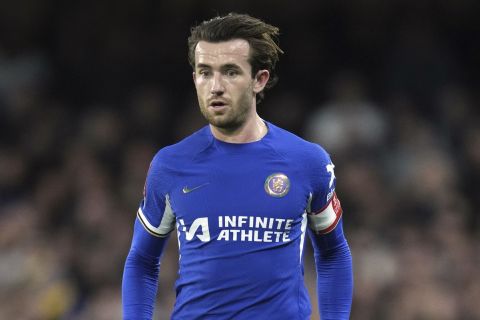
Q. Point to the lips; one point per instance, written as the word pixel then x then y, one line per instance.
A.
pixel 217 103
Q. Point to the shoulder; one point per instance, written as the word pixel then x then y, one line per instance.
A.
pixel 182 151
pixel 290 145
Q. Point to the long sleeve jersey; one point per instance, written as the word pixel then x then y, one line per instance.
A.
pixel 241 214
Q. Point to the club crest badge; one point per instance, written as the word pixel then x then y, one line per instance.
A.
pixel 277 185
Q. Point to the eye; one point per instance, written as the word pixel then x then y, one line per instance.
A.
pixel 204 73
pixel 232 73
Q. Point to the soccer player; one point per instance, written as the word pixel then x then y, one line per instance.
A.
pixel 241 194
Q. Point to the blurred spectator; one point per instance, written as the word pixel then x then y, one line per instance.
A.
pixel 349 121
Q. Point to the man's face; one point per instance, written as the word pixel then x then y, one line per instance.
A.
pixel 224 84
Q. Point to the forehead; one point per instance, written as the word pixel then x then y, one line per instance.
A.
pixel 231 51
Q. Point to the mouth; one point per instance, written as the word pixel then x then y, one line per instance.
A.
pixel 217 104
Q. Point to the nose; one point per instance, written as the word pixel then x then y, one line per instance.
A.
pixel 217 85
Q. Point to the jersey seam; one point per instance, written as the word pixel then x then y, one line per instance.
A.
pixel 268 144
pixel 209 144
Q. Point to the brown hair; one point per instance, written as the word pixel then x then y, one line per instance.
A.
pixel 262 37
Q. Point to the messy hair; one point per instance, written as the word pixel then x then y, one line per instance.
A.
pixel 262 38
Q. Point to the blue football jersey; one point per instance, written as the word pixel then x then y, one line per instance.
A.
pixel 241 212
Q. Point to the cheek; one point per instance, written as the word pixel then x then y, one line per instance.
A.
pixel 241 88
pixel 201 85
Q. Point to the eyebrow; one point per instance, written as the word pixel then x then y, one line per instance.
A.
pixel 203 65
pixel 230 66
pixel 223 67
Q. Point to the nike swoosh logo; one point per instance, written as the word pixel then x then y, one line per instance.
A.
pixel 188 190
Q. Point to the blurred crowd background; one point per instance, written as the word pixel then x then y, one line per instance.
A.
pixel 90 90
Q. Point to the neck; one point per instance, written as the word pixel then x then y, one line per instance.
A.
pixel 250 131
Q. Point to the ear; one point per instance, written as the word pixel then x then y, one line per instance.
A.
pixel 193 77
pixel 260 81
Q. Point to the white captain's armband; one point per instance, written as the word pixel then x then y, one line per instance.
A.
pixel 326 219
pixel 167 224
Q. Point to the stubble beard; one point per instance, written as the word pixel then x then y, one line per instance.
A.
pixel 233 118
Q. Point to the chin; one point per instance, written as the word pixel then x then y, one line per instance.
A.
pixel 227 125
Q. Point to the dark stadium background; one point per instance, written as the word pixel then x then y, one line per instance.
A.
pixel 89 90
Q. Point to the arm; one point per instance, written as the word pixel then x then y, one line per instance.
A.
pixel 334 273
pixel 155 220
pixel 140 275
pixel 331 252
